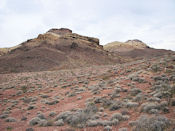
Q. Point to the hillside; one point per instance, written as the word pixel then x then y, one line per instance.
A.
pixel 53 50
pixel 137 96
pixel 134 49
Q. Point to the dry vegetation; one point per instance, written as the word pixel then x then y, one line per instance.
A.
pixel 137 96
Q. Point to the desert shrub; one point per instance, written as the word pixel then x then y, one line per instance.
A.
pixel 153 111
pixel 23 118
pixel 96 116
pixel 163 104
pixel 43 122
pixel 149 107
pixel 19 92
pixel 172 78
pixel 92 123
pixel 131 104
pixel 52 114
pixel 71 94
pixel 3 116
pixel 115 122
pixel 140 80
pixel 139 97
pixel 115 106
pixel 108 128
pixel 155 68
pixel 117 90
pixel 101 109
pixel 80 117
pixel 29 129
pixel 10 119
pixel 173 102
pixel 105 102
pixel 34 121
pixel 117 116
pixel 125 117
pixel 91 108
pixel 44 96
pixel 24 89
pixel 154 99
pixel 105 123
pixel 123 129
pixel 155 123
pixel 41 116
pixel 59 123
pixel 135 91
pixel 79 97
pixel 124 112
pixel 30 107
pixel 52 102
pixel 161 78
pixel 115 95
pixel 163 94
pixel 63 115
pixel 28 99
pixel 132 123
pixel 172 90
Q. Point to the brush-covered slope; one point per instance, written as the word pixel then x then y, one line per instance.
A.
pixel 55 49
pixel 137 96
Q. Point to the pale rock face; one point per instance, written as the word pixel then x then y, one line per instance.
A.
pixel 125 46
pixel 136 43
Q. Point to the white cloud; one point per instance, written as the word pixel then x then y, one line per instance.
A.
pixel 3 4
pixel 151 21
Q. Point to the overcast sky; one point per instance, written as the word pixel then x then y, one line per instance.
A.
pixel 152 21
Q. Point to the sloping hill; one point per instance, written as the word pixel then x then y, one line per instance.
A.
pixel 55 49
pixel 134 49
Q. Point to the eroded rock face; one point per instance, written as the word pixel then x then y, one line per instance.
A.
pixel 67 33
pixel 90 41
pixel 63 37
pixel 63 34
pixel 137 44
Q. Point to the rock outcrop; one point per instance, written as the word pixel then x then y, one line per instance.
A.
pixel 138 44
pixel 59 36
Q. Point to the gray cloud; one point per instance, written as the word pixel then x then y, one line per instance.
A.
pixel 150 21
